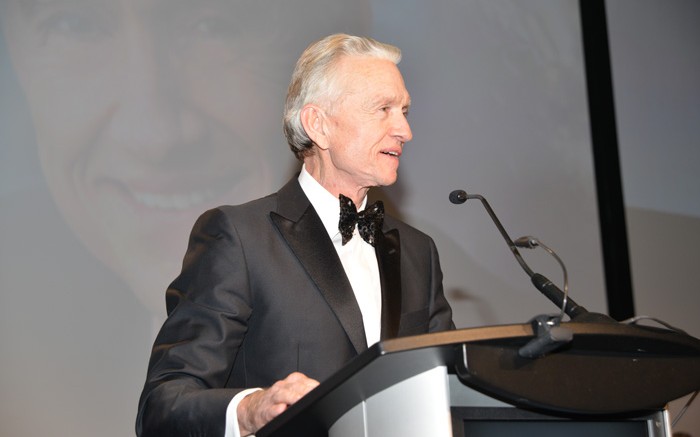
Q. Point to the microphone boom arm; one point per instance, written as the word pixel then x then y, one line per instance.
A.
pixel 503 232
pixel 544 285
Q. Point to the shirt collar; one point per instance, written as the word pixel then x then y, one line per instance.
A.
pixel 327 206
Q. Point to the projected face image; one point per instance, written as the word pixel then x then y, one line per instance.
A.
pixel 146 113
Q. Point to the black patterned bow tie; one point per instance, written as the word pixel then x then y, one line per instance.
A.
pixel 369 222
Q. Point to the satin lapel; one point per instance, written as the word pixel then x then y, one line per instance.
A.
pixel 389 257
pixel 301 227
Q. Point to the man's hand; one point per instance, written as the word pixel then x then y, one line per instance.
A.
pixel 260 407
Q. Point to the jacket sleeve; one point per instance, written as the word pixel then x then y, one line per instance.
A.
pixel 440 310
pixel 208 305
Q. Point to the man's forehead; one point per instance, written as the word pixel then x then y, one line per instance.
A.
pixel 379 78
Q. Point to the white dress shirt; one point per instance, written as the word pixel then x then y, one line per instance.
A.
pixel 359 261
pixel 357 256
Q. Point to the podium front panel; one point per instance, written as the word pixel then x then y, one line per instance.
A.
pixel 419 405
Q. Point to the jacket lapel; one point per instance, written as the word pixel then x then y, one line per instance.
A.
pixel 301 227
pixel 389 257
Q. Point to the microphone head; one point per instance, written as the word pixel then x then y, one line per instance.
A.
pixel 526 242
pixel 458 196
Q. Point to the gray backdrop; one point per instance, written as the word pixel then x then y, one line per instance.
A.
pixel 656 74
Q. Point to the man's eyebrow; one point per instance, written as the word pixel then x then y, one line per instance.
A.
pixel 384 100
pixel 29 7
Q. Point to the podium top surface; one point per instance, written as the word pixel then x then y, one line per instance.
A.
pixel 607 368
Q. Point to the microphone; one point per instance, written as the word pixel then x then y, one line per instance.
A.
pixel 527 242
pixel 549 335
pixel 544 285
pixel 530 242
pixel 458 196
pixel 461 196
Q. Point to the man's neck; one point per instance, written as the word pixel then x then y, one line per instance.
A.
pixel 333 184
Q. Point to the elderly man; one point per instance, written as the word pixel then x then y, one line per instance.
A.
pixel 283 291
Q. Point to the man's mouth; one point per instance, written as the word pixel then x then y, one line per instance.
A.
pixel 175 202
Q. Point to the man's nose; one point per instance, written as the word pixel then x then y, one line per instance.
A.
pixel 401 129
pixel 149 114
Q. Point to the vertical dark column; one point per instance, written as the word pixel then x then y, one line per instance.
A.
pixel 601 106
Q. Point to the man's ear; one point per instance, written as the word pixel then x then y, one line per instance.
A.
pixel 313 119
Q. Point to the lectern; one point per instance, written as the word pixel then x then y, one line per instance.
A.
pixel 610 379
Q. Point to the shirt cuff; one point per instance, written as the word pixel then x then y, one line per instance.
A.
pixel 231 429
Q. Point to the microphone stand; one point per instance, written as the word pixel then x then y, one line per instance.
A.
pixel 549 334
pixel 636 354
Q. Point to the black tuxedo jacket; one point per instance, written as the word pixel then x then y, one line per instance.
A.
pixel 262 293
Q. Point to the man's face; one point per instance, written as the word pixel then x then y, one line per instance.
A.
pixel 368 125
pixel 148 112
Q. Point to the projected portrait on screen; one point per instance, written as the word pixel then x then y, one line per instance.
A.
pixel 148 113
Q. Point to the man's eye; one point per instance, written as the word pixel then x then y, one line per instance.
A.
pixel 74 25
pixel 215 27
